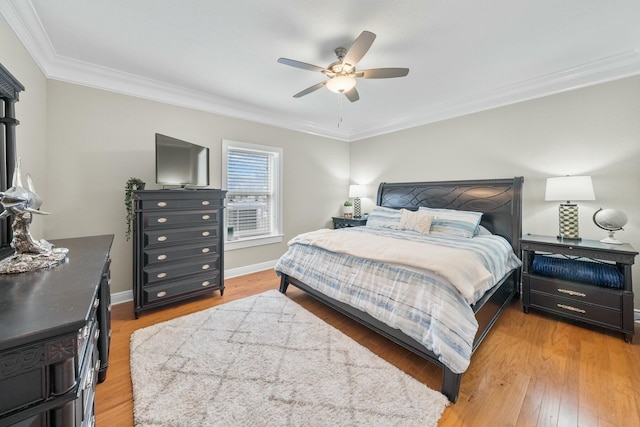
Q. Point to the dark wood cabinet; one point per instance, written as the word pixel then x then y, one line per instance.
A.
pixel 341 222
pixel 571 297
pixel 177 245
pixel 54 337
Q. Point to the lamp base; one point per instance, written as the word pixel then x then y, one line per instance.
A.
pixel 568 221
pixel 357 212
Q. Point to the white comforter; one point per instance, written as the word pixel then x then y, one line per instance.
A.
pixel 460 267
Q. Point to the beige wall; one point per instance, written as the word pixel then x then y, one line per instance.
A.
pixel 593 131
pixel 31 111
pixel 98 139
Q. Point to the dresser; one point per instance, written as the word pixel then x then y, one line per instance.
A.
pixel 54 338
pixel 581 289
pixel 177 245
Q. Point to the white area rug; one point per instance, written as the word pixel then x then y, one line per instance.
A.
pixel 266 361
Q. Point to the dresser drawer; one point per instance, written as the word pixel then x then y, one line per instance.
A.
pixel 173 253
pixel 172 203
pixel 160 219
pixel 577 309
pixel 575 291
pixel 179 287
pixel 166 237
pixel 171 271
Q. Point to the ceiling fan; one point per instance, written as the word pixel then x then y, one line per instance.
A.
pixel 342 73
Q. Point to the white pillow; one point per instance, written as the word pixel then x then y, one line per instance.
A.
pixel 453 223
pixel 415 221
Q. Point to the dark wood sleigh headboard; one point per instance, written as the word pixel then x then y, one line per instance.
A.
pixel 500 201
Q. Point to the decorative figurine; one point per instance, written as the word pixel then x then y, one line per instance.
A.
pixel 30 254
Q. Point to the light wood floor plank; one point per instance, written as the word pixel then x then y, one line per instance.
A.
pixel 531 370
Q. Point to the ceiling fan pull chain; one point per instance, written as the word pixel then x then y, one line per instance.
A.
pixel 339 109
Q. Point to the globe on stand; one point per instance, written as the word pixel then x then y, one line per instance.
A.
pixel 611 220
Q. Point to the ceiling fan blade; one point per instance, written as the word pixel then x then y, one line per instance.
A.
pixel 352 94
pixel 310 89
pixel 382 73
pixel 302 65
pixel 359 47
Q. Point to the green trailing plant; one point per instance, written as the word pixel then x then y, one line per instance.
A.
pixel 131 185
pixel 348 203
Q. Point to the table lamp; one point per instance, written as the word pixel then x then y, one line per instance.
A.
pixel 357 191
pixel 568 189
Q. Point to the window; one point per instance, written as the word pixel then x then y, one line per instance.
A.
pixel 252 176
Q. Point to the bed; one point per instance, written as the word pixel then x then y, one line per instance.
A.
pixel 499 203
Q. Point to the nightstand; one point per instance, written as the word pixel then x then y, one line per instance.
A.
pixel 340 222
pixel 568 293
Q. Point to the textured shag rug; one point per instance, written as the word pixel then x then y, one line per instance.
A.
pixel 266 361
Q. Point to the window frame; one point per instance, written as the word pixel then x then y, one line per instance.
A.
pixel 277 233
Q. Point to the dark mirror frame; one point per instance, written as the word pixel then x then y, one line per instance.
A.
pixel 10 89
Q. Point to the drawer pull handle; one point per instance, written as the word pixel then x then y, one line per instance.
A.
pixel 572 293
pixel 205 267
pixel 162 204
pixel 206 283
pixel 161 294
pixel 161 275
pixel 162 220
pixel 205 203
pixel 162 238
pixel 568 307
pixel 205 233
pixel 205 250
pixel 206 217
pixel 162 257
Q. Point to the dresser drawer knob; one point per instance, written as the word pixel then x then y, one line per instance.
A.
pixel 96 303
pixel 162 238
pixel 568 307
pixel 205 233
pixel 206 283
pixel 161 275
pixel 572 293
pixel 205 267
pixel 205 203
pixel 162 257
pixel 205 250
pixel 162 204
pixel 162 220
pixel 205 217
pixel 161 294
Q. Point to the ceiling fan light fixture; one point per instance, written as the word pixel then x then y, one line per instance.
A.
pixel 341 83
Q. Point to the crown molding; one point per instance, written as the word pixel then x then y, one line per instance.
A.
pixel 23 20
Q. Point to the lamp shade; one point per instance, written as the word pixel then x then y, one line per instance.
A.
pixel 569 188
pixel 357 191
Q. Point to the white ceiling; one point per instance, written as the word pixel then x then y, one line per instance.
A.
pixel 220 56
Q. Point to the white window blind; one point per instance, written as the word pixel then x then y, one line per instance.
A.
pixel 253 187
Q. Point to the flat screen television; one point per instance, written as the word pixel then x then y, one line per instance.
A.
pixel 181 163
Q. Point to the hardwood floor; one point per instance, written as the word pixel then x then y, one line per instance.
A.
pixel 531 370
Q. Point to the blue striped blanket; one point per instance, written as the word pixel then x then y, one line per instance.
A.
pixel 421 303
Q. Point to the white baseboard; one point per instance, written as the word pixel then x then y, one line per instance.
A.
pixel 126 296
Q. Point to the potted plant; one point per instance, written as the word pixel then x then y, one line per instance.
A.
pixel 132 184
pixel 347 209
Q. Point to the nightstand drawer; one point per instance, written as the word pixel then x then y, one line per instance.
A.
pixel 574 291
pixel 577 309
